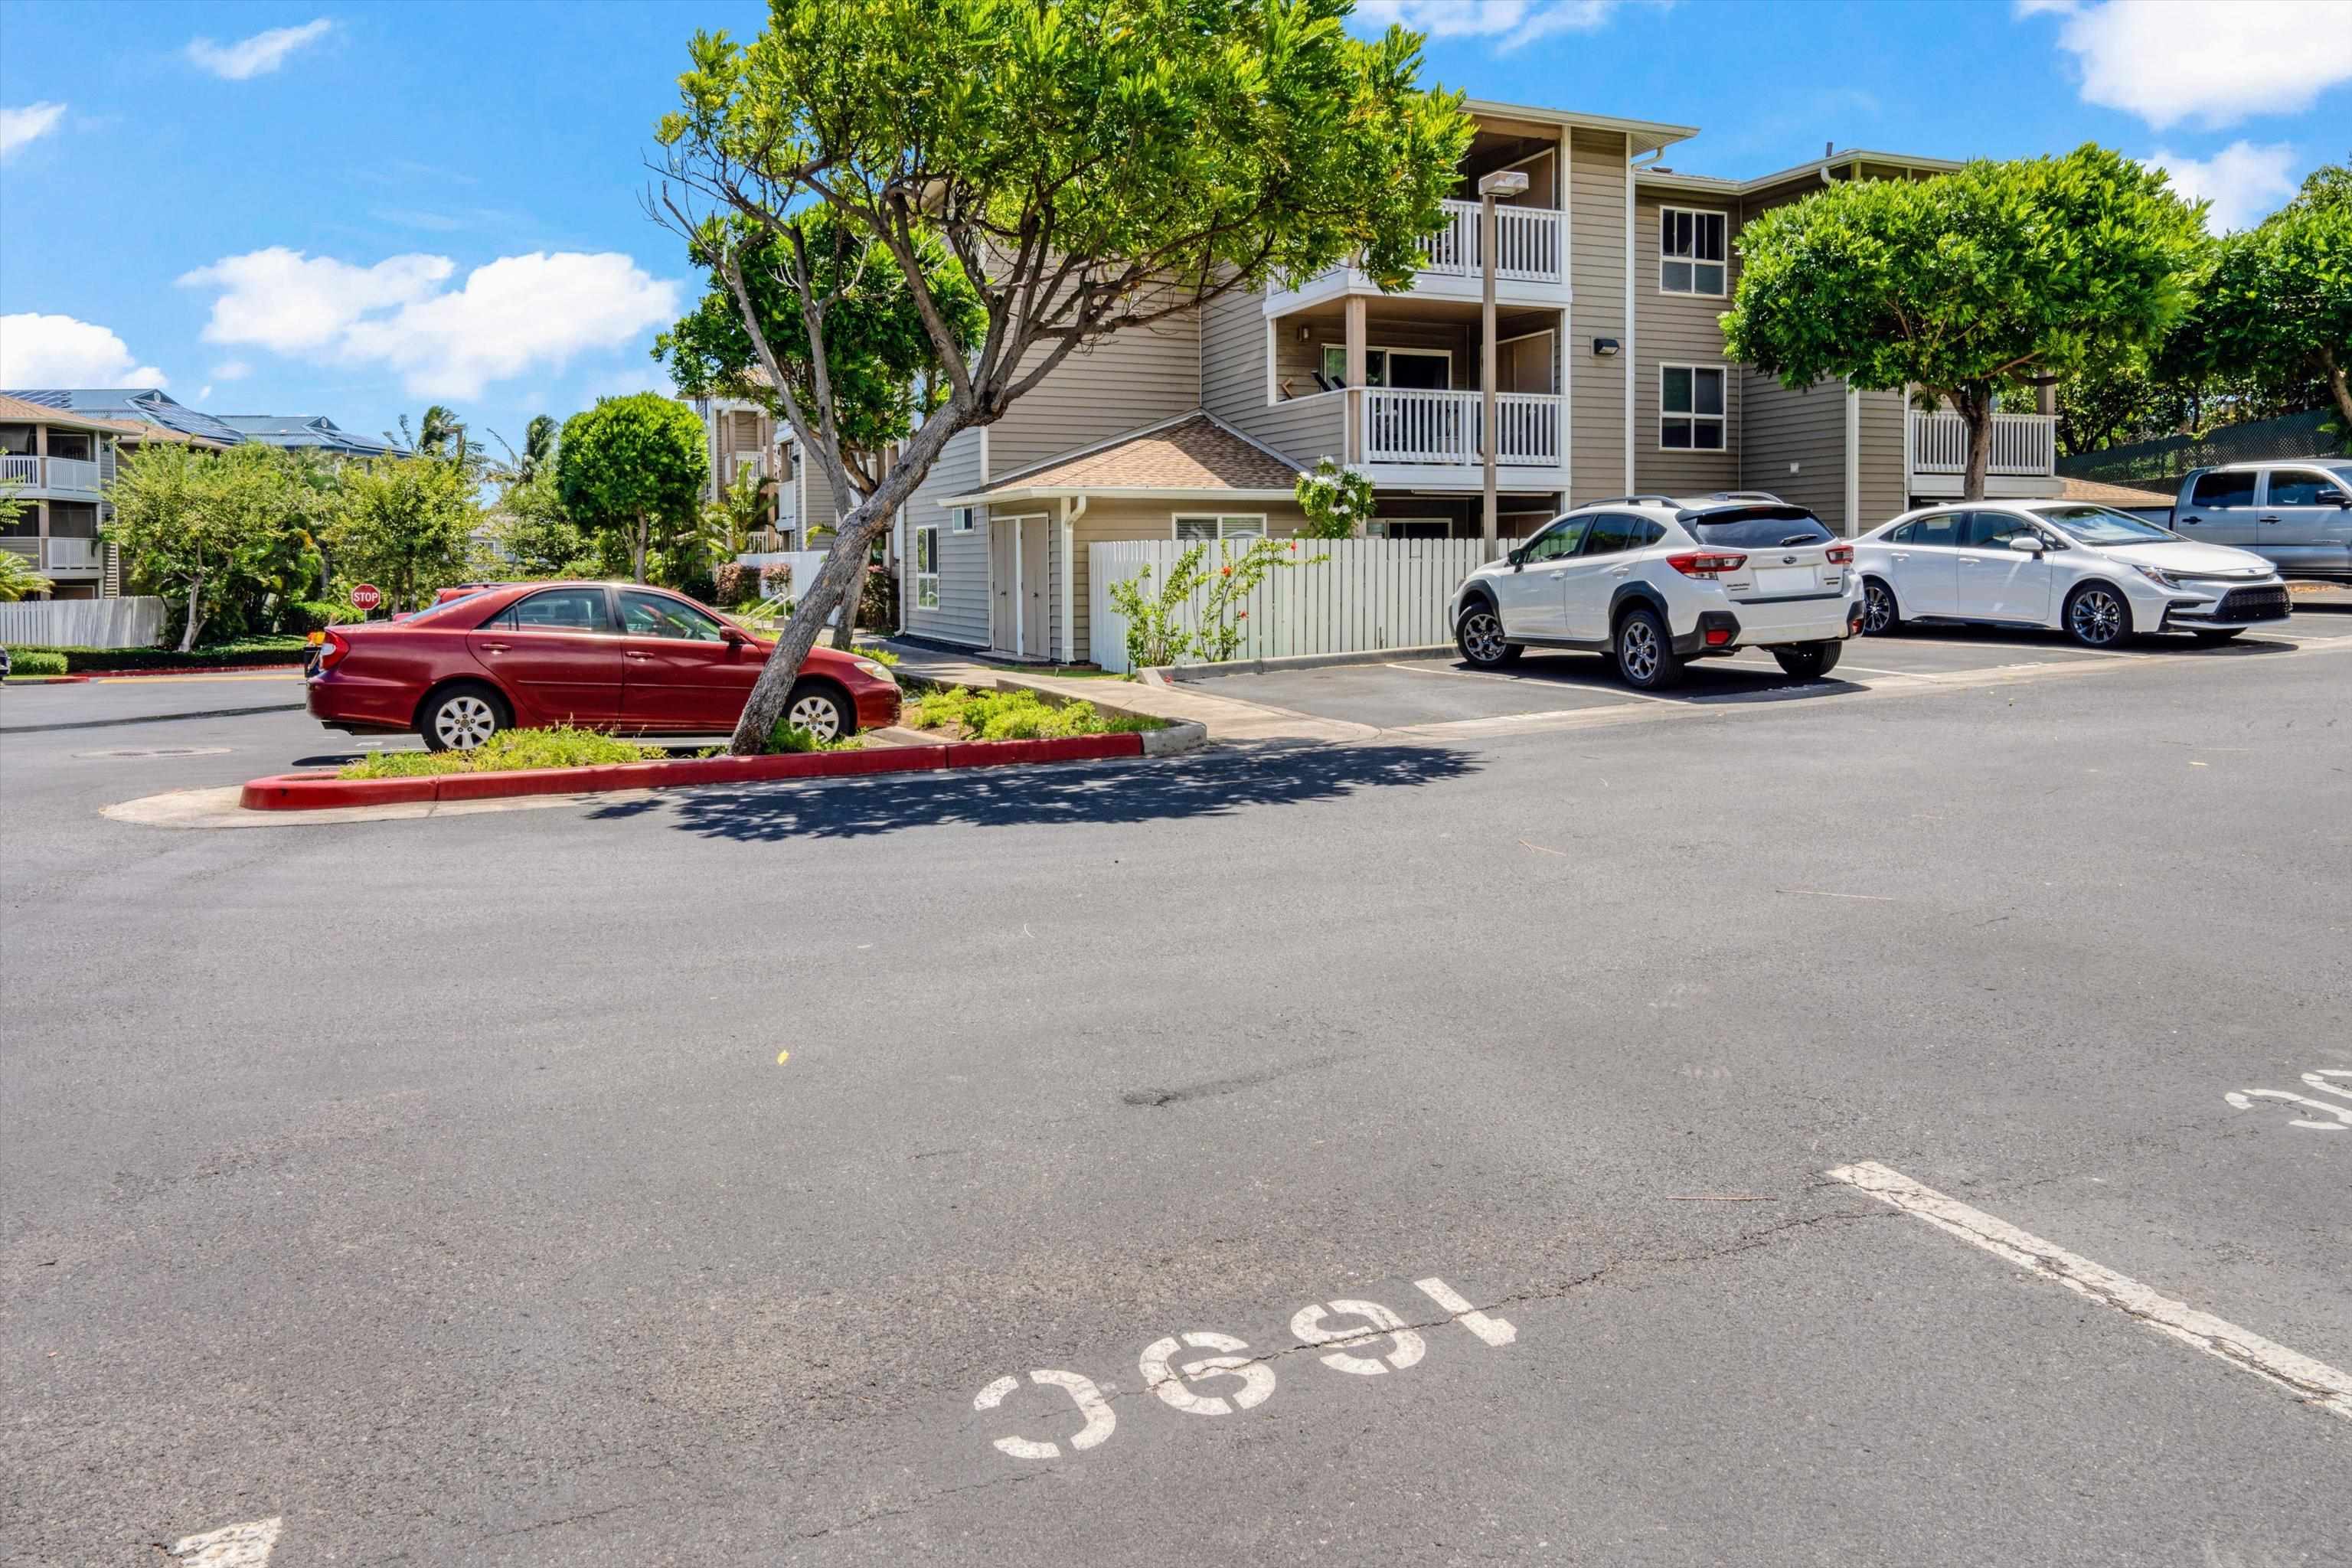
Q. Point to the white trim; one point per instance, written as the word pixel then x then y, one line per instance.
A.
pixel 1853 459
pixel 1220 518
pixel 1694 260
pixel 1273 347
pixel 1117 492
pixel 1722 420
pixel 1632 355
pixel 919 573
pixel 1655 135
pixel 983 456
pixel 1069 573
pixel 1567 146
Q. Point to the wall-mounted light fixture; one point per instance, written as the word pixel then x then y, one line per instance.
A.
pixel 1305 332
pixel 1605 348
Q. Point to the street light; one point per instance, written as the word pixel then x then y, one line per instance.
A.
pixel 1501 182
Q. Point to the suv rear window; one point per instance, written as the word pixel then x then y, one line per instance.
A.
pixel 1757 527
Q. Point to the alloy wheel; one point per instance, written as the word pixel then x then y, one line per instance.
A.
pixel 2096 618
pixel 464 723
pixel 817 715
pixel 1637 652
pixel 1877 609
pixel 1482 636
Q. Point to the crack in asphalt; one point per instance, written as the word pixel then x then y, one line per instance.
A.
pixel 923 1502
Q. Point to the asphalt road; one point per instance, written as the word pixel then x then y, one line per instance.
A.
pixel 435 1187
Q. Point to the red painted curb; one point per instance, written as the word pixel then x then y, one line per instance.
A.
pixel 1059 749
pixel 47 679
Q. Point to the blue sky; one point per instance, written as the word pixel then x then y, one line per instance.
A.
pixel 358 209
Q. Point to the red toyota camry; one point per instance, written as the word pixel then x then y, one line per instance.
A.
pixel 605 655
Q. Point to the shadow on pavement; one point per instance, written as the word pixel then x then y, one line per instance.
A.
pixel 1213 784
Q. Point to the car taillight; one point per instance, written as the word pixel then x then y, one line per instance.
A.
pixel 1718 635
pixel 332 652
pixel 1700 563
pixel 1841 554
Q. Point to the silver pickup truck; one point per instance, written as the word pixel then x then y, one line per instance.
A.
pixel 2297 514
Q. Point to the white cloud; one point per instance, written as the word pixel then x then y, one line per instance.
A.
pixel 38 351
pixel 517 314
pixel 30 123
pixel 1514 22
pixel 2215 62
pixel 2245 183
pixel 647 376
pixel 231 370
pixel 257 56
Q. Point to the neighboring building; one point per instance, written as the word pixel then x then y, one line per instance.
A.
pixel 60 461
pixel 138 405
pixel 1611 372
pixel 314 432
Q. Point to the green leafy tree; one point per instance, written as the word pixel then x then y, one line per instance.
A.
pixel 741 510
pixel 18 578
pixel 2278 306
pixel 633 467
pixel 1094 166
pixel 406 524
pixel 1338 500
pixel 1969 284
pixel 223 537
pixel 530 535
pixel 880 372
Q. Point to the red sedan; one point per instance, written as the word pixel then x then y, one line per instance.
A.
pixel 606 656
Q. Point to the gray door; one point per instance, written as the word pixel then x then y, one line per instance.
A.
pixel 1004 581
pixel 1036 587
pixel 2305 524
pixel 2221 509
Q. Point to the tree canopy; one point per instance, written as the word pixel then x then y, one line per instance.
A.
pixel 405 524
pixel 221 536
pixel 1968 283
pixel 2278 305
pixel 633 467
pixel 1092 165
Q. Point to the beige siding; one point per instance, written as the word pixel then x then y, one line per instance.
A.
pixel 1596 201
pixel 1232 386
pixel 1806 429
pixel 1884 490
pixel 962 613
pixel 1132 379
pixel 1678 328
pixel 1108 520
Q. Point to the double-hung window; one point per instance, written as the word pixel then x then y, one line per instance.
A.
pixel 926 567
pixel 1690 408
pixel 962 517
pixel 1193 529
pixel 1691 252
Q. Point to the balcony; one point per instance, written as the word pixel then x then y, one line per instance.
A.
pixel 1531 262
pixel 76 475
pixel 2025 455
pixel 74 557
pixel 1435 436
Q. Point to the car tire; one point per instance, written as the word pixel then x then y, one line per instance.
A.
pixel 1881 616
pixel 820 708
pixel 1646 659
pixel 1478 635
pixel 1808 661
pixel 2216 638
pixel 2097 616
pixel 460 717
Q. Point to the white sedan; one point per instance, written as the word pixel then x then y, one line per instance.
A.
pixel 2097 574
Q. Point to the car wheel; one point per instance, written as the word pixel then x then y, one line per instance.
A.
pixel 820 710
pixel 1808 661
pixel 1879 614
pixel 2216 638
pixel 460 717
pixel 1479 635
pixel 2096 616
pixel 1646 661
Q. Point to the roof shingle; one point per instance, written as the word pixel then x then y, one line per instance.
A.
pixel 1197 452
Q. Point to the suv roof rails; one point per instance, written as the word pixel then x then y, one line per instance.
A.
pixel 1747 495
pixel 1629 500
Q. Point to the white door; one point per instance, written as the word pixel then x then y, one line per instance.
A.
pixel 1994 582
pixel 1604 565
pixel 1004 584
pixel 1923 559
pixel 1528 596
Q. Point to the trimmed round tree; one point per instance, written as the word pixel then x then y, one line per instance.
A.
pixel 631 465
pixel 1963 285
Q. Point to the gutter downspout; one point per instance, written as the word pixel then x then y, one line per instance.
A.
pixel 1073 507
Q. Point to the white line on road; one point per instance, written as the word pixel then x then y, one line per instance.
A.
pixel 2312 1381
pixel 1865 898
pixel 247 1545
pixel 1525 680
pixel 1494 1330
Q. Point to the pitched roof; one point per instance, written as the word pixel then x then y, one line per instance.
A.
pixel 1194 453
pixel 14 408
pixel 306 430
pixel 146 404
pixel 2102 493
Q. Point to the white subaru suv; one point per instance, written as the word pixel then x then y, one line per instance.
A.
pixel 1655 581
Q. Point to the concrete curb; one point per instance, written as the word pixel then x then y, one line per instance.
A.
pixel 1169 674
pixel 322 791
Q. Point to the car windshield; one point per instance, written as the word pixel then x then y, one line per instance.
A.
pixel 1757 528
pixel 2103 525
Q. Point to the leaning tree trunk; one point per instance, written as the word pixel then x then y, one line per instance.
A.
pixel 845 562
pixel 2340 386
pixel 638 544
pixel 845 632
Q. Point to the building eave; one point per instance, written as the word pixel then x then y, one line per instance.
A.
pixel 1114 492
pixel 1648 135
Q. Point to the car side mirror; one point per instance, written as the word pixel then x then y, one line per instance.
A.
pixel 2028 543
pixel 733 637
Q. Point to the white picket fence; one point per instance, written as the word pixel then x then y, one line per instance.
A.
pixel 135 621
pixel 1369 594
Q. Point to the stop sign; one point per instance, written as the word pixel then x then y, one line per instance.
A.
pixel 366 596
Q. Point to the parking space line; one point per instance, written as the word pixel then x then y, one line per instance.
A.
pixel 1489 675
pixel 2311 1382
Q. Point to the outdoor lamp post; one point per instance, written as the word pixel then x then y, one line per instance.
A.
pixel 1501 182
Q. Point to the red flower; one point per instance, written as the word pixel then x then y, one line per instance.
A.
pixel 1294 546
pixel 1241 615
pixel 1224 571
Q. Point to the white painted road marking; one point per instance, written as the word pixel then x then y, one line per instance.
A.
pixel 1494 1330
pixel 2312 1381
pixel 1256 1376
pixel 2244 1099
pixel 1307 1324
pixel 247 1545
pixel 1100 1421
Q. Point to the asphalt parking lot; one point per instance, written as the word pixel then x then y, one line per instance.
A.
pixel 1425 695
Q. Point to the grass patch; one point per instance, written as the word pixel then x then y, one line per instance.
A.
pixel 508 751
pixel 1012 714
pixel 790 739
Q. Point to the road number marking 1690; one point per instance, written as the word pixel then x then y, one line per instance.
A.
pixel 2321 1081
pixel 1243 1380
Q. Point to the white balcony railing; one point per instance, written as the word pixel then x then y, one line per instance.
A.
pixel 70 555
pixel 2022 444
pixel 64 473
pixel 20 470
pixel 1531 245
pixel 1443 427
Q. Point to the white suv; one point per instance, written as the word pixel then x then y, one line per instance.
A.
pixel 1655 581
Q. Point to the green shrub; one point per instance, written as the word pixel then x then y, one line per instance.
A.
pixel 36 661
pixel 564 746
pixel 788 737
pixel 252 650
pixel 736 584
pixel 1015 714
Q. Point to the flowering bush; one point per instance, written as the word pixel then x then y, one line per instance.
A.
pixel 1336 500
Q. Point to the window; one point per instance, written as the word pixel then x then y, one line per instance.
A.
pixel 2301 487
pixel 2105 525
pixel 1557 542
pixel 1430 368
pixel 1994 529
pixel 1690 408
pixel 962 517
pixel 1690 251
pixel 1757 528
pixel 659 615
pixel 1193 529
pixel 1616 532
pixel 2224 489
pixel 926 568
pixel 558 610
